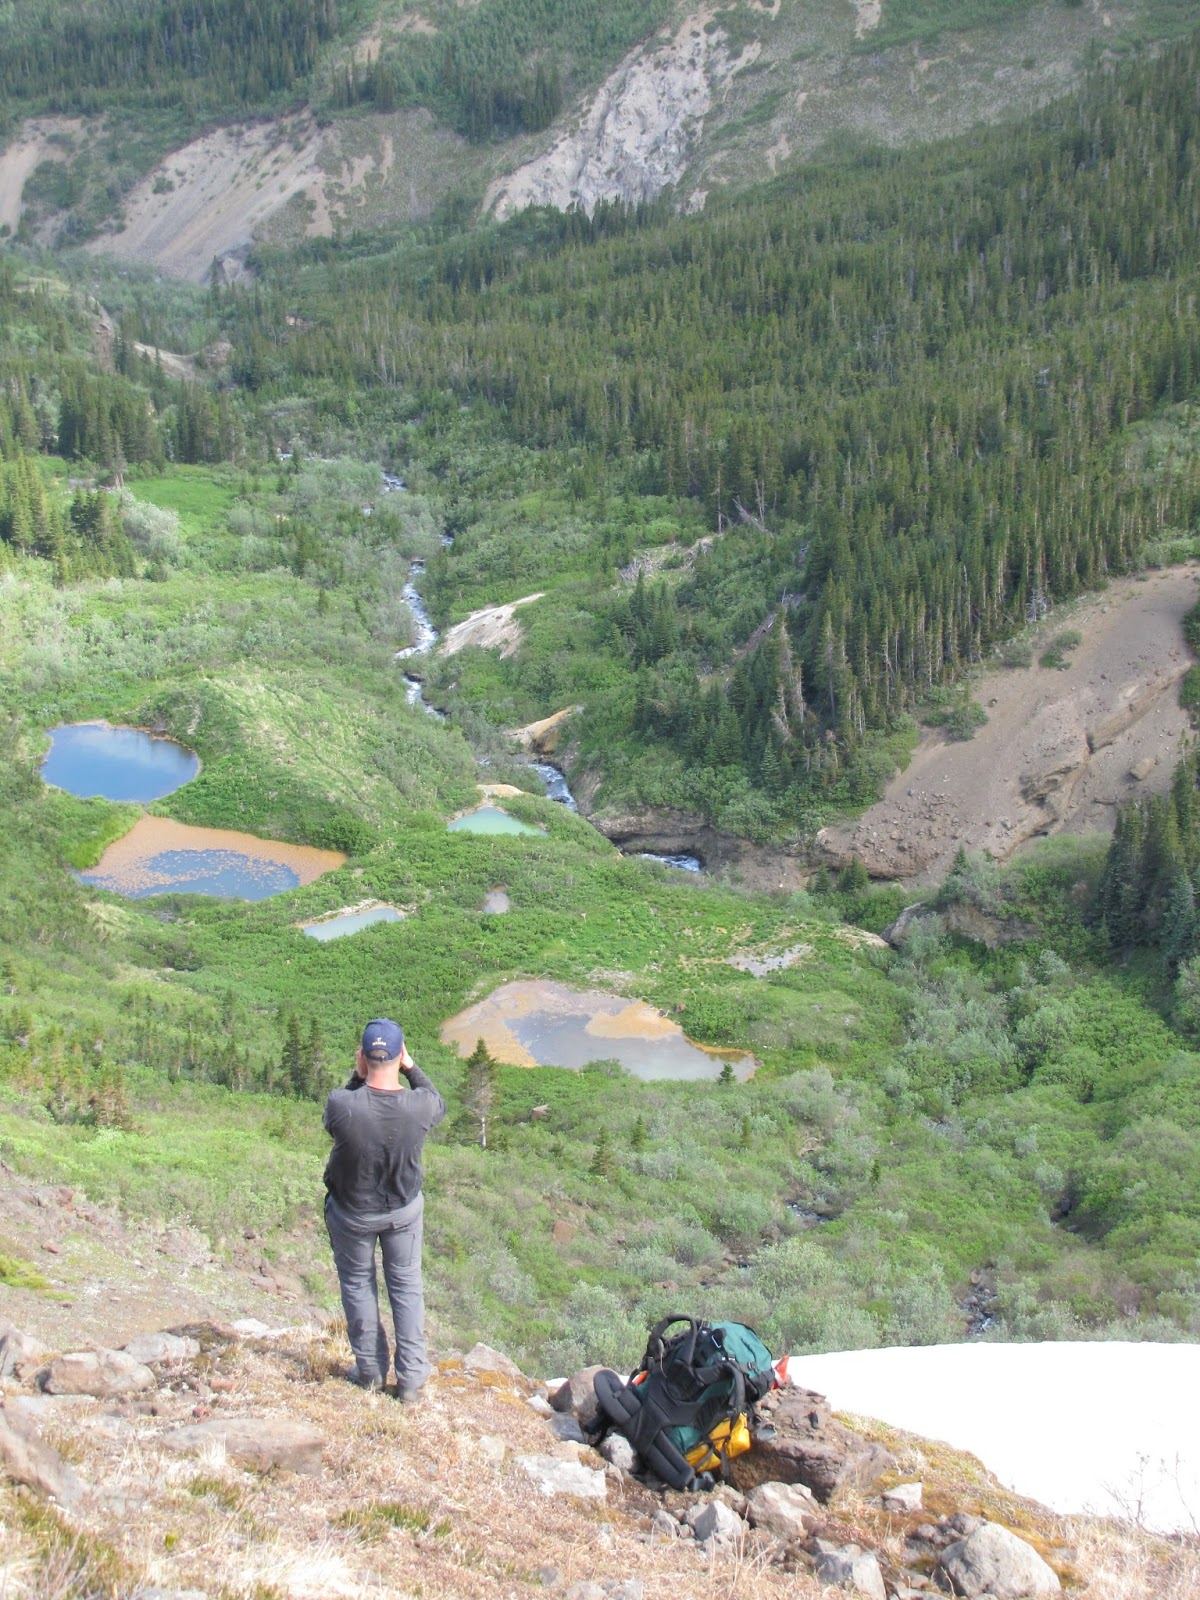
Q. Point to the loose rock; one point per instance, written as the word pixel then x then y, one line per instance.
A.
pixel 852 1568
pixel 785 1509
pixel 663 1526
pixel 566 1428
pixel 153 1349
pixel 100 1373
pixel 20 1353
pixel 712 1519
pixel 260 1443
pixel 904 1497
pixel 578 1396
pixel 482 1358
pixel 555 1477
pixel 994 1561
pixel 617 1450
pixel 31 1461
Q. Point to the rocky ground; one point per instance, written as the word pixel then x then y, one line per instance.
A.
pixel 1061 748
pixel 232 1459
pixel 178 1427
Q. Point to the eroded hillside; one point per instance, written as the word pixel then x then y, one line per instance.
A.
pixel 708 99
pixel 1064 743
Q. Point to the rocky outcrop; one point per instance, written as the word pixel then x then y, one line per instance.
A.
pixel 492 628
pixel 800 1442
pixel 542 738
pixel 1061 749
pixel 669 832
pixel 962 919
pixel 638 133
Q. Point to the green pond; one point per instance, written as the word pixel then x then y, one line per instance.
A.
pixel 490 819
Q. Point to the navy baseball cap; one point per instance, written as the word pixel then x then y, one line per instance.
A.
pixel 382 1040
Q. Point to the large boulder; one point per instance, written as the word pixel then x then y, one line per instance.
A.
pixel 798 1441
pixel 993 1561
pixel 262 1444
pixel 100 1373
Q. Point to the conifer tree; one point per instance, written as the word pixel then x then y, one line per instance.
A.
pixel 604 1161
pixel 479 1093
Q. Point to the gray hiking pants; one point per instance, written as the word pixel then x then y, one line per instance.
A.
pixel 352 1235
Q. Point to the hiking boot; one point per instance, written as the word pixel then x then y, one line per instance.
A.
pixel 371 1385
pixel 409 1393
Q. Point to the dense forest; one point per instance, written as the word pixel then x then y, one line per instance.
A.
pixel 210 55
pixel 893 389
pixel 502 68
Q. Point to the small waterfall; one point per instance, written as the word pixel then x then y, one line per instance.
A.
pixel 557 787
pixel 681 863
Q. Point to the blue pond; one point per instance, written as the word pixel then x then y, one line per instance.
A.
pixel 226 874
pixel 350 922
pixel 92 759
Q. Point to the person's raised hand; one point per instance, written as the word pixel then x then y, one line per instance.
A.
pixel 406 1061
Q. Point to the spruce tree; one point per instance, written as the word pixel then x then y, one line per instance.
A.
pixel 604 1162
pixel 479 1094
pixel 291 1060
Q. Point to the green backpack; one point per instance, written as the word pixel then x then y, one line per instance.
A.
pixel 687 1409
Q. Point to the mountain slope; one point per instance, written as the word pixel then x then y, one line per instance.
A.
pixel 423 105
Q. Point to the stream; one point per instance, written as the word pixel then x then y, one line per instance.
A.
pixel 425 634
pixel 426 637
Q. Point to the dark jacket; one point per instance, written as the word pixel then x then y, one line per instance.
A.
pixel 375 1163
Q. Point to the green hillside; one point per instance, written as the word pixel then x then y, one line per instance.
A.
pixel 784 471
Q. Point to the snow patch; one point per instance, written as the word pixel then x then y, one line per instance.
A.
pixel 1109 1428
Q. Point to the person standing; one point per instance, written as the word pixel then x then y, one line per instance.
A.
pixel 373 1179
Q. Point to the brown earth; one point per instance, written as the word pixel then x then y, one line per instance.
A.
pixel 492 628
pixel 1061 749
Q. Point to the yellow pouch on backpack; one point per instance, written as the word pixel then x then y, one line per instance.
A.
pixel 728 1439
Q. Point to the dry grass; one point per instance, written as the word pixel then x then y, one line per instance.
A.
pixel 430 1501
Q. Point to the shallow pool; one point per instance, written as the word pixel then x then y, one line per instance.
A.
pixel 161 856
pixel 490 819
pixel 536 1022
pixel 92 759
pixel 347 922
